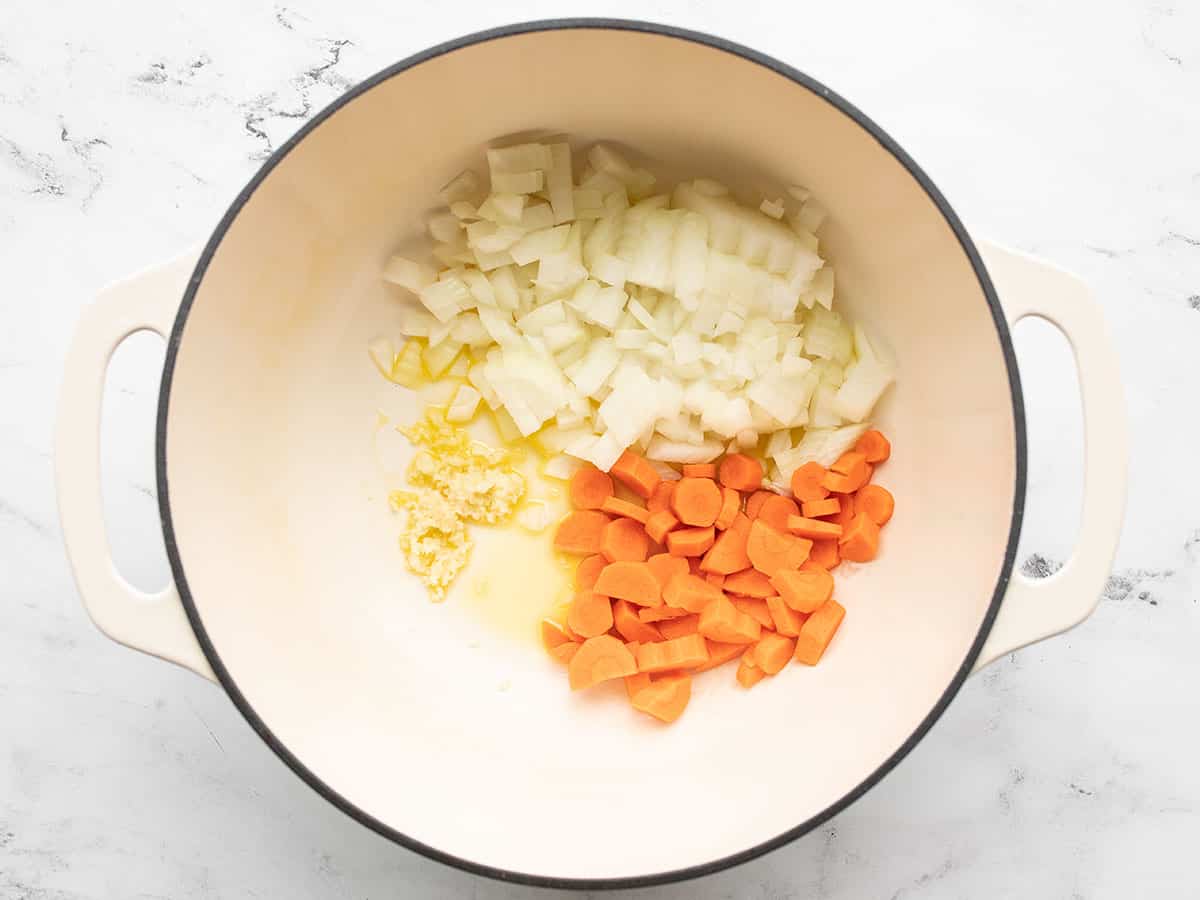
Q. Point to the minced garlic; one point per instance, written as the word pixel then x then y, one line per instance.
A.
pixel 455 480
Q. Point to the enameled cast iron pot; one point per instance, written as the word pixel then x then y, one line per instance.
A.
pixel 289 589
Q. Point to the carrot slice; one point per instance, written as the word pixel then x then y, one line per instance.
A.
pixel 877 502
pixel 787 621
pixel 716 579
pixel 690 541
pixel 807 482
pixel 664 566
pixel 719 653
pixel 817 631
pixel 813 529
pixel 617 507
pixel 804 591
pixel 659 524
pixel 629 580
pixel 770 550
pixel 874 446
pixel 630 627
pixel 776 510
pixel 553 634
pixel 755 609
pixel 661 498
pixel 564 653
pixel 740 472
pixel 636 682
pixel 635 473
pixel 589 487
pixel 731 503
pixel 588 571
pixel 681 627
pixel 624 540
pixel 699 470
pixel 696 501
pixel 825 554
pixel 773 652
pixel 662 613
pixel 680 653
pixel 749 583
pixel 850 481
pixel 666 697
pixel 814 509
pixel 690 592
pixel 848 462
pixel 581 532
pixel 724 622
pixel 846 510
pixel 748 673
pixel 860 543
pixel 599 659
pixel 590 614
pixel 728 553
pixel 755 501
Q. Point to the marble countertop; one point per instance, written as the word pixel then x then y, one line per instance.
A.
pixel 1070 130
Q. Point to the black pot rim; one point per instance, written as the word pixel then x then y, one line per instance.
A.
pixel 326 790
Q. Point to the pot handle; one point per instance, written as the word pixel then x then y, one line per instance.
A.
pixel 1037 609
pixel 152 623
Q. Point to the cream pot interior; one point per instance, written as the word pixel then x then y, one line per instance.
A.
pixel 425 721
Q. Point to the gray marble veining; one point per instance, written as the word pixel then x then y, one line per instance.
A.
pixel 1070 130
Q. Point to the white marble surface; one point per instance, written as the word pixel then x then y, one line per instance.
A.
pixel 1071 130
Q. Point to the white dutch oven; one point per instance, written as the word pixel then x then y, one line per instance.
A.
pixel 289 589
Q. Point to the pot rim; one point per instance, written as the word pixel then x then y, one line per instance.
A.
pixel 328 792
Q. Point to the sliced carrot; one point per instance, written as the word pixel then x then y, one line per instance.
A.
pixel 755 501
pixel 787 621
pixel 690 541
pixel 588 571
pixel 696 501
pixel 825 554
pixel 728 553
pixel 694 565
pixel 661 498
pixel 860 543
pixel 817 631
pixel 553 634
pixel 877 502
pixel 814 509
pixel 691 592
pixel 630 627
pixel 680 653
pixel 590 614
pixel 724 622
pixel 699 470
pixel 740 472
pixel 731 504
pixel 664 566
pixel 599 659
pixel 874 446
pixel 564 653
pixel 848 482
pixel 813 529
pixel 660 524
pixel 625 540
pixel 755 609
pixel 720 653
pixel 773 652
pixel 807 482
pixel 848 462
pixel 846 510
pixel 716 579
pixel 748 673
pixel 749 583
pixel 589 487
pixel 803 591
pixel 636 682
pixel 681 627
pixel 776 509
pixel 581 532
pixel 770 550
pixel 662 613
pixel 616 507
pixel 636 474
pixel 629 580
pixel 666 697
